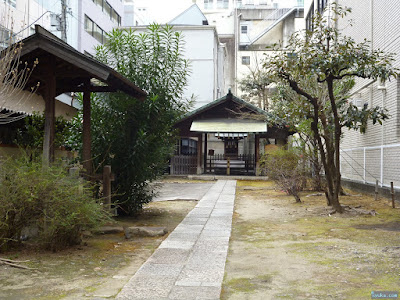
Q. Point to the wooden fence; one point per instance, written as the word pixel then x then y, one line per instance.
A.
pixel 183 165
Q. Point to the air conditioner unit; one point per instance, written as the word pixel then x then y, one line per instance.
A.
pixel 54 19
pixel 381 84
pixel 358 102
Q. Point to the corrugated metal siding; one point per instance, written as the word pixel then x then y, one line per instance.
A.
pixel 385 36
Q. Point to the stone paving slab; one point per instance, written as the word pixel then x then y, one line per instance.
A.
pixel 190 262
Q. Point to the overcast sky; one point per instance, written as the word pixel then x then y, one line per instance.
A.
pixel 164 10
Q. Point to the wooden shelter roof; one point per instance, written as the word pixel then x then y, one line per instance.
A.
pixel 72 68
pixel 229 108
pixel 62 69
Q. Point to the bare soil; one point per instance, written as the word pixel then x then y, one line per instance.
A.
pixel 283 250
pixel 97 269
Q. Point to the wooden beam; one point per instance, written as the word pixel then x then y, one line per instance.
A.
pixel 86 133
pixel 49 114
pixel 95 89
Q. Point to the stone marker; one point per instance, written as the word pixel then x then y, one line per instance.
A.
pixel 144 231
pixel 109 230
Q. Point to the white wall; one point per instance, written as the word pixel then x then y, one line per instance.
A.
pixel 201 48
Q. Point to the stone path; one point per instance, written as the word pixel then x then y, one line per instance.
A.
pixel 182 191
pixel 190 262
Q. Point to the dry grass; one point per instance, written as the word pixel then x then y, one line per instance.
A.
pixel 99 267
pixel 308 253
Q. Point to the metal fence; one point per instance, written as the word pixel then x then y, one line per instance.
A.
pixel 368 164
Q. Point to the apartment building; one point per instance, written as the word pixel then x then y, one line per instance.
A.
pixel 87 21
pixel 375 155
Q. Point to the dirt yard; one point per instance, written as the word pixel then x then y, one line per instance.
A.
pixel 97 269
pixel 283 250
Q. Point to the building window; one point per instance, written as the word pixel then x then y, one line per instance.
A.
pixel 99 3
pixel 310 19
pixel 321 5
pixel 88 25
pixel 208 4
pixel 94 30
pixel 108 10
pixel 243 29
pixel 6 39
pixel 188 146
pixel 222 3
pixel 246 60
pixel 13 3
pixel 239 3
pixel 115 17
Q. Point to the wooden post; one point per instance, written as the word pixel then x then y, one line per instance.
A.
pixel 205 152
pixel 171 165
pixel 257 153
pixel 107 187
pixel 392 193
pixel 376 190
pixel 86 134
pixel 199 149
pixel 228 166
pixel 49 115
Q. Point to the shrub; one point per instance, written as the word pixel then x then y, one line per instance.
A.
pixel 283 166
pixel 57 206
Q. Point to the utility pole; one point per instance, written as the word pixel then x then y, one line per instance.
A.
pixel 63 20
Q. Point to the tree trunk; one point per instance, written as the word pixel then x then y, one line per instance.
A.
pixel 336 149
pixel 298 200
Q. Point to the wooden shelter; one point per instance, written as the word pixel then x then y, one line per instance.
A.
pixel 63 69
pixel 224 123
